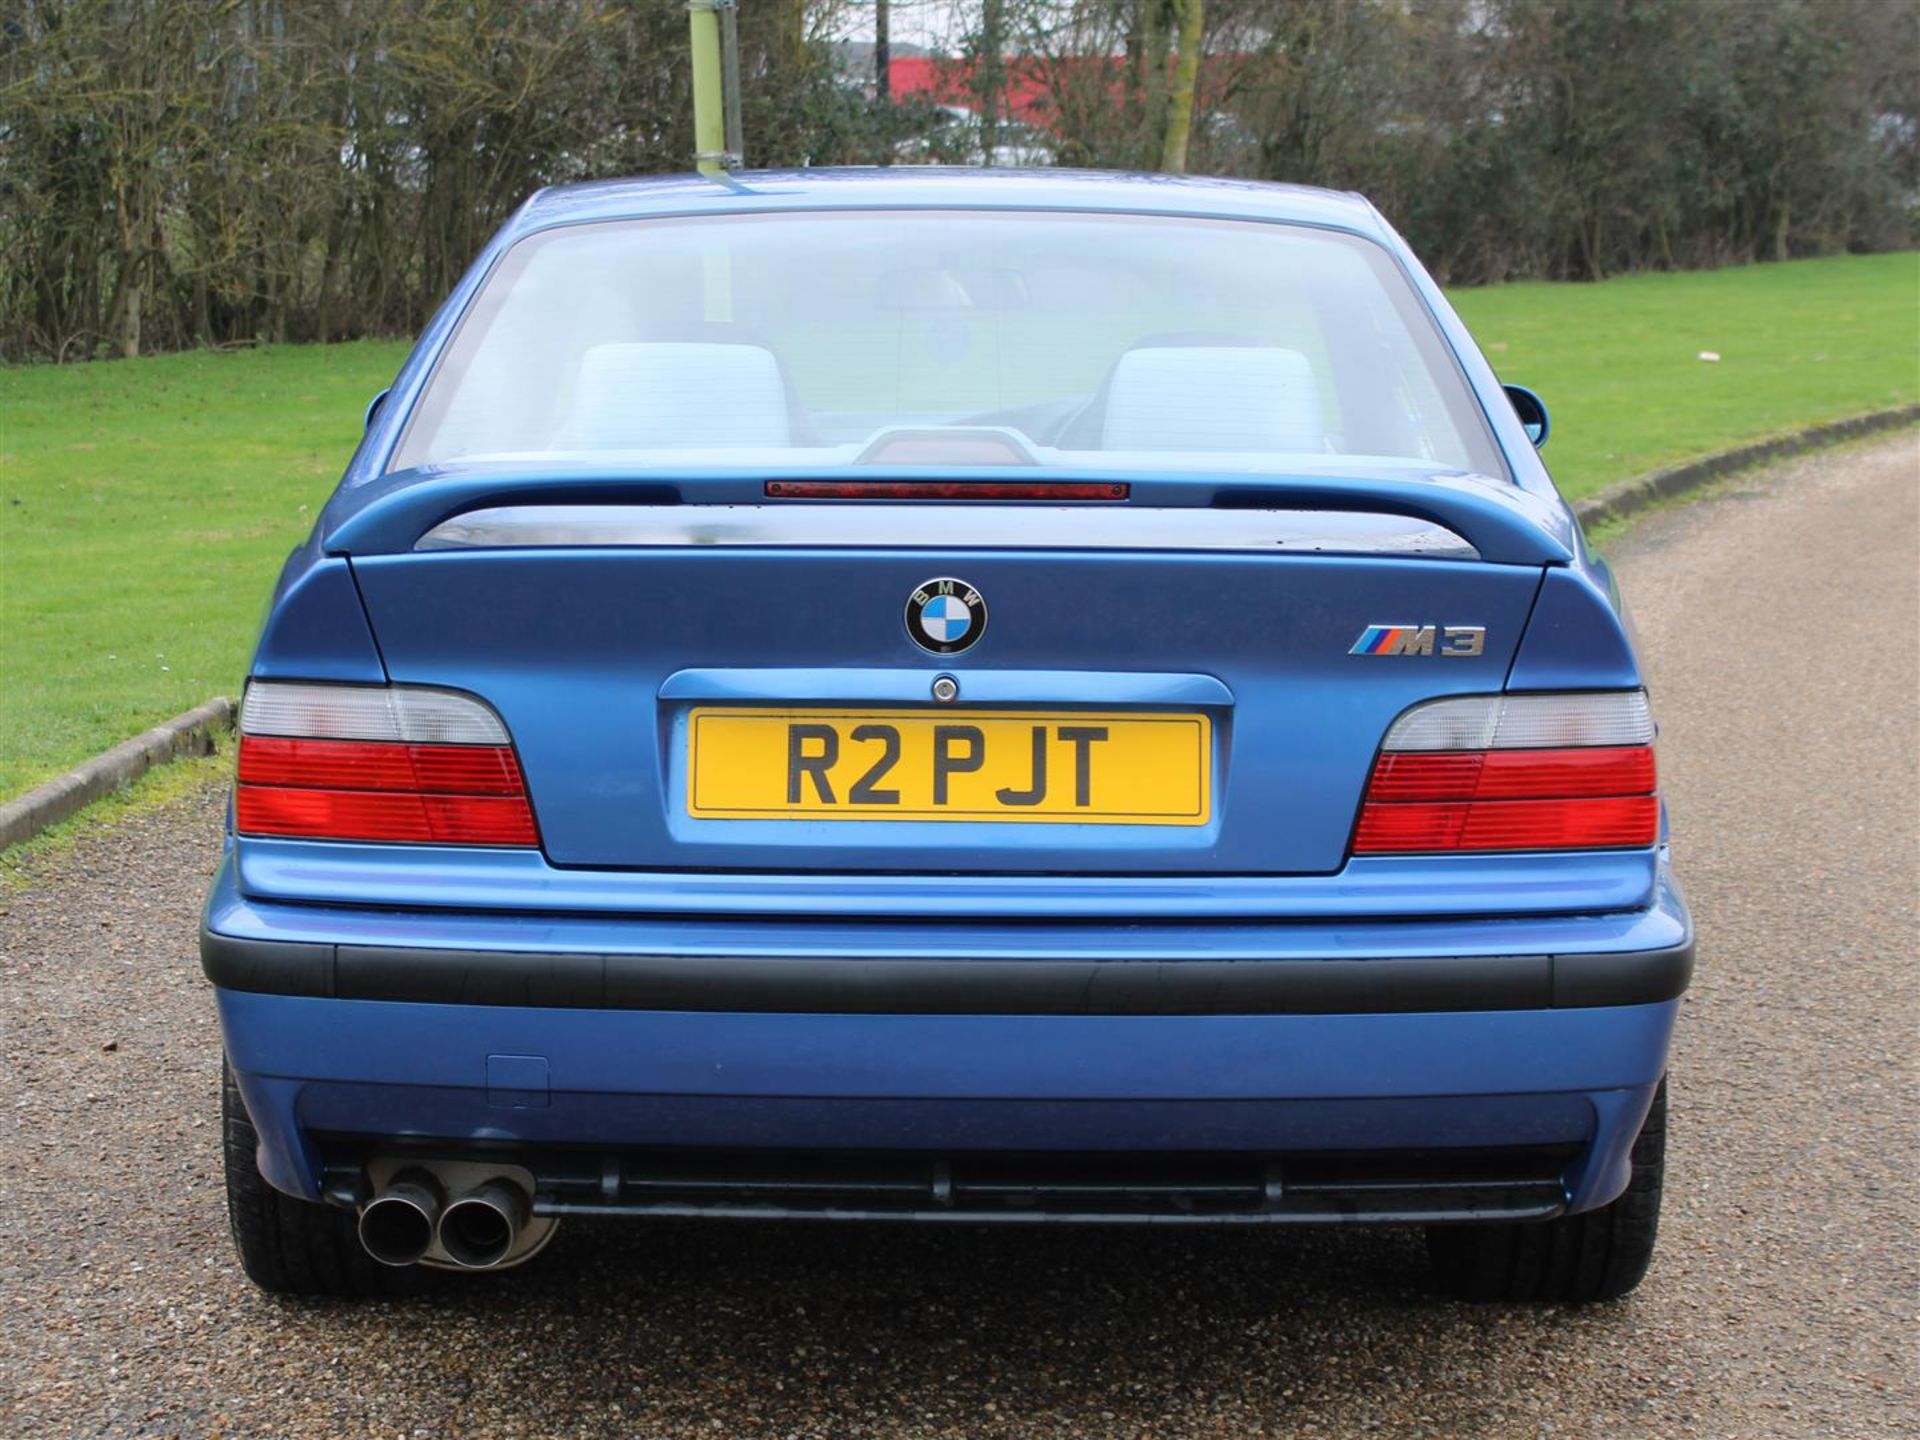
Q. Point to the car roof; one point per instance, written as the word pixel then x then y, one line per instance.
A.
pixel 920 187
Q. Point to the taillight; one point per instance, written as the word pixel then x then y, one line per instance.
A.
pixel 356 762
pixel 1514 772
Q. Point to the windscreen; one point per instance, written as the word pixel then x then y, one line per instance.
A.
pixel 1090 342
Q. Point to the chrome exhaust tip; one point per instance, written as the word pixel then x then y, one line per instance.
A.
pixel 479 1230
pixel 397 1226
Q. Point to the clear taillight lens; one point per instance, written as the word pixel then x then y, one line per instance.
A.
pixel 401 764
pixel 1515 772
pixel 369 712
pixel 1525 722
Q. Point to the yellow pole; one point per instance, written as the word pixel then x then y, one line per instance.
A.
pixel 709 112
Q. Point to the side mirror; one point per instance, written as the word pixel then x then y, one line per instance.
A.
pixel 1532 411
pixel 373 406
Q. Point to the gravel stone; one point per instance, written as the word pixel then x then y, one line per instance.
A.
pixel 1779 620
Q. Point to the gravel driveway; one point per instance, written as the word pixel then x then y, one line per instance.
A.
pixel 1781 623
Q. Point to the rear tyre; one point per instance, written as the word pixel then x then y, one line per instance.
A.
pixel 1598 1255
pixel 289 1246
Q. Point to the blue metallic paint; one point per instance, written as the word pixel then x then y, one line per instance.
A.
pixel 572 648
pixel 1576 640
pixel 1506 525
pixel 1278 1081
pixel 1255 1082
pixel 317 629
pixel 1599 884
pixel 903 686
pixel 1409 906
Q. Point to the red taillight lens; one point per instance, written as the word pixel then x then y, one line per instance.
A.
pixel 377 815
pixel 1515 774
pixel 369 765
pixel 1595 823
pixel 1477 789
pixel 393 785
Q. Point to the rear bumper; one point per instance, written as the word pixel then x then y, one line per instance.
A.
pixel 808 984
pixel 356 1033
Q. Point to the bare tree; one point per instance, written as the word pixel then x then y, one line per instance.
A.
pixel 214 172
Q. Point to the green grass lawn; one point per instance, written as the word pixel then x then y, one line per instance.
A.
pixel 145 508
pixel 1618 363
pixel 145 505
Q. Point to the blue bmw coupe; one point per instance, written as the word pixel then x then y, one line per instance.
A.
pixel 946 696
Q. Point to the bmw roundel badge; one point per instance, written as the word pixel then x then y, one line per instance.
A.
pixel 946 616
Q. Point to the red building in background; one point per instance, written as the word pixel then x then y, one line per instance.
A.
pixel 949 82
pixel 1035 86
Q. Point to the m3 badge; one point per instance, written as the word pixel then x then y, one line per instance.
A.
pixel 1454 642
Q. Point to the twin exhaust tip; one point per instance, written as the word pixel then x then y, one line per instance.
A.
pixel 476 1230
pixel 397 1225
pixel 479 1229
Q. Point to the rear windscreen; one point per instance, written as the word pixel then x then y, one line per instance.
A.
pixel 902 338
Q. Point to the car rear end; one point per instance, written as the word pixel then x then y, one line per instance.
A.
pixel 1117 769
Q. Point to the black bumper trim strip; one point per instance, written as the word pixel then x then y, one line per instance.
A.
pixel 945 987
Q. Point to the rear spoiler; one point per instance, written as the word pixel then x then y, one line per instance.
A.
pixel 1503 523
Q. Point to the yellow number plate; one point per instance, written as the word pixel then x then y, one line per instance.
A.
pixel 1115 769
